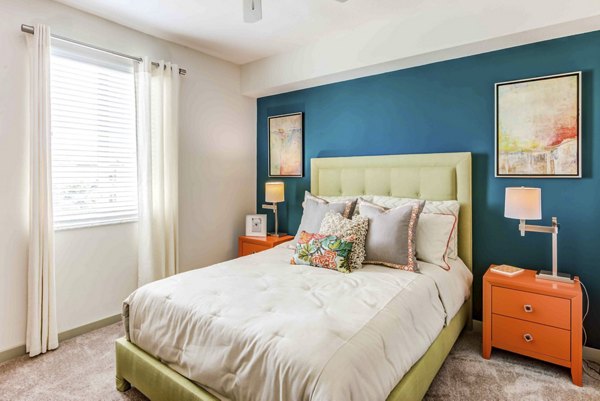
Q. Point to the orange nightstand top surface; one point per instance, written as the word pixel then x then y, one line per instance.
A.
pixel 267 241
pixel 527 281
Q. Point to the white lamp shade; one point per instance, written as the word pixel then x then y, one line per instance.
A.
pixel 274 192
pixel 523 203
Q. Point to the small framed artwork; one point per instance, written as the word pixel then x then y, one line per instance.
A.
pixel 538 127
pixel 256 225
pixel 286 153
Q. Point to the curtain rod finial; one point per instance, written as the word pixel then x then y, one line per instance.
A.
pixel 26 28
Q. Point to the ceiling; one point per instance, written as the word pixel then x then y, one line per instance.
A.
pixel 304 43
pixel 216 27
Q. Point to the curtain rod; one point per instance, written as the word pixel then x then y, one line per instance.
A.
pixel 29 29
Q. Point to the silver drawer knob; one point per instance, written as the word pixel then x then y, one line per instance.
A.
pixel 528 308
pixel 528 337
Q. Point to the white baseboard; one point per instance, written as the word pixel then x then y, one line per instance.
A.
pixel 12 353
pixel 65 335
pixel 589 353
pixel 86 328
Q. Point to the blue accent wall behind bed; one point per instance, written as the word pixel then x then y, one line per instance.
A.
pixel 449 107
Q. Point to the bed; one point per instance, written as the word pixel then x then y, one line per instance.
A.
pixel 431 177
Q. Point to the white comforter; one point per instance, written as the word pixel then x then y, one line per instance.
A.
pixel 258 328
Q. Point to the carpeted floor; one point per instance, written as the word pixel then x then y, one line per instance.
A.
pixel 83 369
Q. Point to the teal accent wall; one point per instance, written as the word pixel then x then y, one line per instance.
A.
pixel 449 107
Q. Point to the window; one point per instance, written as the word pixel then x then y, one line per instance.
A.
pixel 94 160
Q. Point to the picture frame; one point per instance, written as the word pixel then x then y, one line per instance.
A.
pixel 256 225
pixel 538 127
pixel 286 145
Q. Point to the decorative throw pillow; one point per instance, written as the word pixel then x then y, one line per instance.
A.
pixel 336 224
pixel 440 207
pixel 327 251
pixel 392 234
pixel 434 232
pixel 315 209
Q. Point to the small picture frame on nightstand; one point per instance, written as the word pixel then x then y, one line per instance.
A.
pixel 256 225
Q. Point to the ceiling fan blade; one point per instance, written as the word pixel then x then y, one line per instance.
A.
pixel 252 10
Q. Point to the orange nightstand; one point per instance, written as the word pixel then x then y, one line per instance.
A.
pixel 538 318
pixel 250 245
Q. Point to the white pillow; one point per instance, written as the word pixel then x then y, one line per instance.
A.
pixel 439 207
pixel 434 234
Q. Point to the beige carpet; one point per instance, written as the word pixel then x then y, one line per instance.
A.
pixel 83 369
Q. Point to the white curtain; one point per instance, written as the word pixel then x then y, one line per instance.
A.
pixel 42 332
pixel 157 89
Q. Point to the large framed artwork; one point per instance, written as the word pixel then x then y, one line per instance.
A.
pixel 538 127
pixel 286 153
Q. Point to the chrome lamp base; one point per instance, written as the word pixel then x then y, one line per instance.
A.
pixel 547 275
pixel 553 275
pixel 277 235
pixel 273 207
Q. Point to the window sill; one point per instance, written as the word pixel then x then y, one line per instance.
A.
pixel 98 224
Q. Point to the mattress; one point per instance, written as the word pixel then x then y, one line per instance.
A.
pixel 258 328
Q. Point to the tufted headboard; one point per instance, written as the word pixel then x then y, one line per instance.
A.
pixel 435 176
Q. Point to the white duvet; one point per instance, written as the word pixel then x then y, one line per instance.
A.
pixel 258 328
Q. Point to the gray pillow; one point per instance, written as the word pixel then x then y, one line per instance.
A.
pixel 315 210
pixel 391 235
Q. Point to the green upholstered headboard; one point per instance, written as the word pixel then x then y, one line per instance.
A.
pixel 435 176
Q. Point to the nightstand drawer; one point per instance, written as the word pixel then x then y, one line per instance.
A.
pixel 547 310
pixel 530 338
pixel 249 249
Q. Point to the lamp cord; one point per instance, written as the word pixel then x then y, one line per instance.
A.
pixel 587 310
pixel 592 369
pixel 588 366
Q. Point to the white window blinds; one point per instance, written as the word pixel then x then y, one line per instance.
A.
pixel 94 160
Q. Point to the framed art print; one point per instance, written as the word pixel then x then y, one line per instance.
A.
pixel 538 127
pixel 256 225
pixel 286 153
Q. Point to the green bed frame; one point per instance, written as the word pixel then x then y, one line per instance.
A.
pixel 439 176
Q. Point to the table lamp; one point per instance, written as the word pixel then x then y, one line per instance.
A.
pixel 274 193
pixel 526 204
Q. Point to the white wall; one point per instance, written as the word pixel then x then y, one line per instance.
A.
pixel 96 267
pixel 425 35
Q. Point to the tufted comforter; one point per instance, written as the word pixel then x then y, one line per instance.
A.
pixel 258 328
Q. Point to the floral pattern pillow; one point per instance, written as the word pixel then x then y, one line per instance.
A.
pixel 321 250
pixel 357 227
